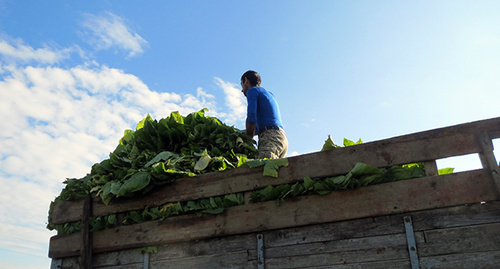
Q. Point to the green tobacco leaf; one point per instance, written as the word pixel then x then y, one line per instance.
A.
pixel 308 183
pixel 128 135
pixel 136 182
pixel 445 171
pixel 363 169
pixel 272 166
pixel 203 162
pixel 348 142
pixel 256 163
pixel 141 124
pixel 162 156
pixel 329 144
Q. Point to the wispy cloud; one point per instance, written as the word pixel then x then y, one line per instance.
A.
pixel 20 52
pixel 110 31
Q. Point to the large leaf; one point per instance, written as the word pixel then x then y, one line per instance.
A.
pixel 162 156
pixel 329 144
pixel 135 183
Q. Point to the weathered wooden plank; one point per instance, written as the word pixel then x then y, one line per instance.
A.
pixel 223 260
pixel 473 260
pixel 365 265
pixel 405 196
pixel 64 245
pixel 475 238
pixel 449 217
pixel 339 230
pixel 68 211
pixel 210 246
pixel 70 263
pixel 343 245
pixel 117 258
pixel 320 164
pixel 129 258
pixel 339 258
pixel 123 266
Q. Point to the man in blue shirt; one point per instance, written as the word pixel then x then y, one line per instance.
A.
pixel 263 118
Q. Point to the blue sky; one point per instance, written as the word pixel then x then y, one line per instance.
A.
pixel 75 74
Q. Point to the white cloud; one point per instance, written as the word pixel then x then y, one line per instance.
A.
pixel 57 122
pixel 25 53
pixel 109 31
pixel 235 101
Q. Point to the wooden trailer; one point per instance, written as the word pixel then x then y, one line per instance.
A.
pixel 437 221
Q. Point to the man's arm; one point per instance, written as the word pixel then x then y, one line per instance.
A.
pixel 250 129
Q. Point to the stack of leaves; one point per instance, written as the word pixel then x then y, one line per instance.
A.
pixel 159 152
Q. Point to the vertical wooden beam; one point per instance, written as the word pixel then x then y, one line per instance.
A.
pixel 488 159
pixel 431 168
pixel 86 235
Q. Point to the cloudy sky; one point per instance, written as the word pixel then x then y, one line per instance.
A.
pixel 75 75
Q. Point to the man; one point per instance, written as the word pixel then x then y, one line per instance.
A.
pixel 263 118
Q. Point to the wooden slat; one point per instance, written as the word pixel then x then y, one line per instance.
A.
pixel 354 257
pixel 474 238
pixel 374 242
pixel 68 211
pixel 383 199
pixel 470 260
pixel 221 260
pixel 210 246
pixel 320 164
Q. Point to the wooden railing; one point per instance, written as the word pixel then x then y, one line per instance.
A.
pixel 433 191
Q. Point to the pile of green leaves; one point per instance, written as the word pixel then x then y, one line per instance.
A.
pixel 159 152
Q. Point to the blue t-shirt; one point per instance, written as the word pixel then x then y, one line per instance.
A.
pixel 263 110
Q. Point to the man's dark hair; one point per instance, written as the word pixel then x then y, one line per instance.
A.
pixel 252 76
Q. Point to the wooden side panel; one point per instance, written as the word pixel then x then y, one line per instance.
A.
pixel 383 199
pixel 464 236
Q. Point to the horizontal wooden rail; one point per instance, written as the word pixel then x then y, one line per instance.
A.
pixel 383 199
pixel 419 147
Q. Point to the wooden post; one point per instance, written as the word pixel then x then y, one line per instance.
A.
pixel 488 159
pixel 86 235
pixel 431 168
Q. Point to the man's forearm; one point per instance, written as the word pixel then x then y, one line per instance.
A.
pixel 250 129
